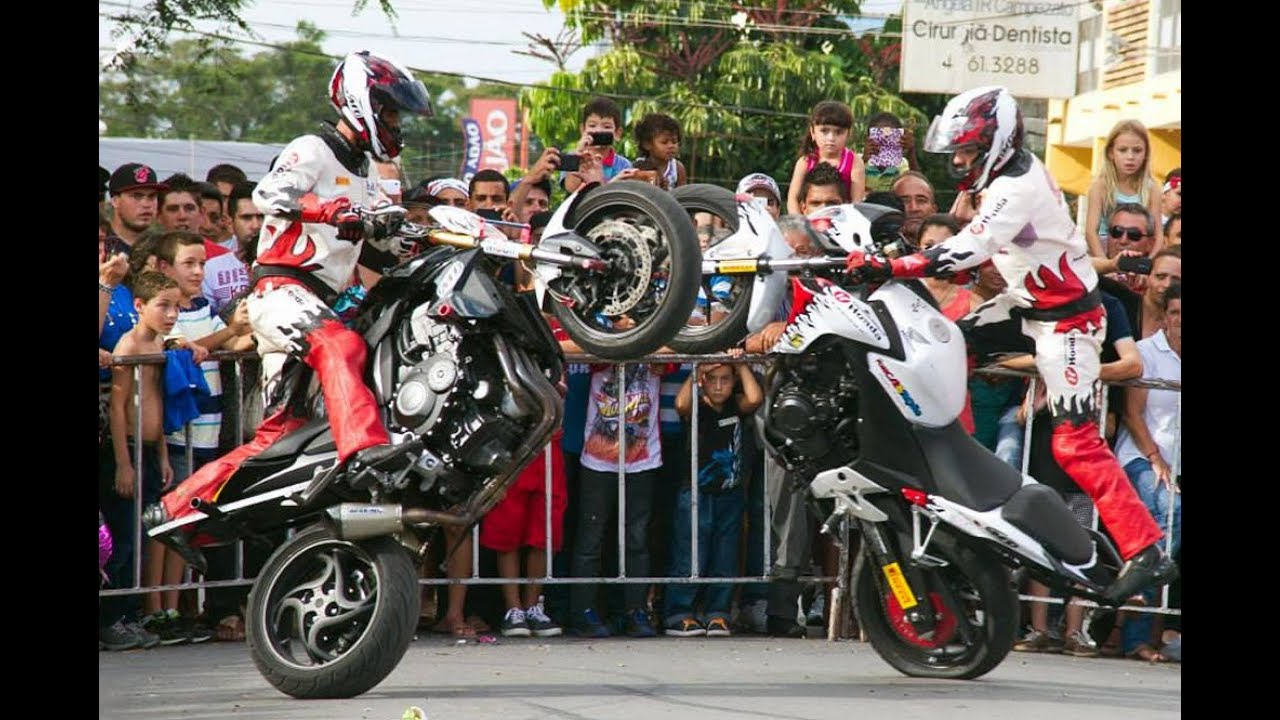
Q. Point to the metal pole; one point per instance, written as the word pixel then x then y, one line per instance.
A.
pixel 137 476
pixel 546 504
pixel 622 467
pixel 694 570
pixel 1026 433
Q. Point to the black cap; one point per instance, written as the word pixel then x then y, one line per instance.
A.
pixel 132 176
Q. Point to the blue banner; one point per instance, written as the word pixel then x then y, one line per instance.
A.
pixel 472 144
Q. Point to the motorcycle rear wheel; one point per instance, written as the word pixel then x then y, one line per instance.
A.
pixel 330 618
pixel 989 604
pixel 729 329
pixel 652 250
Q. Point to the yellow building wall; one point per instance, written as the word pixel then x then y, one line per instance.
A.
pixel 1076 129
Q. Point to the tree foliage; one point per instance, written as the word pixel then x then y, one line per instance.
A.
pixel 740 77
pixel 212 91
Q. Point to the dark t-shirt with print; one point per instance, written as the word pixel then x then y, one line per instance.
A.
pixel 720 446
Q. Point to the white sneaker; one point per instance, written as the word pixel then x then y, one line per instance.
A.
pixel 538 622
pixel 513 624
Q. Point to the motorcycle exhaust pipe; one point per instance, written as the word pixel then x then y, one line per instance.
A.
pixel 358 521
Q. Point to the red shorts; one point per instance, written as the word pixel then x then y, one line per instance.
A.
pixel 520 518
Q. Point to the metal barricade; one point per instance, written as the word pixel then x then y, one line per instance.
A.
pixel 841 580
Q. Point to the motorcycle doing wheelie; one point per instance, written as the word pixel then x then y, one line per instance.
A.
pixel 863 405
pixel 465 371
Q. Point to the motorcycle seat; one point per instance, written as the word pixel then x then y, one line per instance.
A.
pixel 292 444
pixel 1040 512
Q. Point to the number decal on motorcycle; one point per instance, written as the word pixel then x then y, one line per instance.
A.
pixel 898 584
pixel 501 248
pixel 737 266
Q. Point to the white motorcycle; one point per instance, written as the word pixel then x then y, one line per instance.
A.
pixel 864 399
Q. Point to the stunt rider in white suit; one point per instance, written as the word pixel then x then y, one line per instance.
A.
pixel 307 254
pixel 1024 227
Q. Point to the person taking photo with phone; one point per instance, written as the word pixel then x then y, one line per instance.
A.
pixel 601 129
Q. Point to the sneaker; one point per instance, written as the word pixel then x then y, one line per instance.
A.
pixel 1038 642
pixel 752 618
pixel 539 624
pixel 588 625
pixel 717 627
pixel 167 627
pixel 195 630
pixel 1080 645
pixel 513 624
pixel 1151 567
pixel 638 625
pixel 684 627
pixel 146 638
pixel 785 627
pixel 118 637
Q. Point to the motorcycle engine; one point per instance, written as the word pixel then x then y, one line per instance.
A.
pixel 812 411
pixel 450 392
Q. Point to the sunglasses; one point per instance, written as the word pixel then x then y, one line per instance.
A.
pixel 1135 234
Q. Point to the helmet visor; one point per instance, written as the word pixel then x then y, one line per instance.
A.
pixel 408 95
pixel 943 134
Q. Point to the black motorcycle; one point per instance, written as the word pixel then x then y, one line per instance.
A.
pixel 465 370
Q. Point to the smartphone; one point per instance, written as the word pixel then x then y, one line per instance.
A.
pixel 1134 264
pixel 888 146
pixel 569 162
pixel 601 138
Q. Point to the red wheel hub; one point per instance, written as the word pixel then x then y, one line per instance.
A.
pixel 944 631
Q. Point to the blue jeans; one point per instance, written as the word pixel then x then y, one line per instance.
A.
pixel 1009 437
pixel 719 524
pixel 754 565
pixel 1155 495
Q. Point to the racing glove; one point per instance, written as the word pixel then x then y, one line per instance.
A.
pixel 336 212
pixel 862 268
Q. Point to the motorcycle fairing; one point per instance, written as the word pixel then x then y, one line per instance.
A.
pixel 928 381
pixel 832 310
pixel 758 237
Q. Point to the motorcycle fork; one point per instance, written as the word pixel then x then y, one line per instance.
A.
pixel 903 579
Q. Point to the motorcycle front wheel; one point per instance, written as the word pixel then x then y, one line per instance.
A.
pixel 331 618
pixel 651 284
pixel 976 605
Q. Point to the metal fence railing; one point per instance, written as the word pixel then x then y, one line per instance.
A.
pixel 772 475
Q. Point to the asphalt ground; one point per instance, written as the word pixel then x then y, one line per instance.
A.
pixel 704 678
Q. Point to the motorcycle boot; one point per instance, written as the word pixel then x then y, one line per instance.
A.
pixel 1151 567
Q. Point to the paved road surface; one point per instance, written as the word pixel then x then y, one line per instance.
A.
pixel 708 679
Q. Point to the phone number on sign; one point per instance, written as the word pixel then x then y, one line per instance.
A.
pixel 1006 64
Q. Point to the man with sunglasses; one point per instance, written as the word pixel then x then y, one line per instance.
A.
pixel 1023 226
pixel 1130 232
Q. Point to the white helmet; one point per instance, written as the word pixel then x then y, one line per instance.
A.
pixel 365 84
pixel 987 119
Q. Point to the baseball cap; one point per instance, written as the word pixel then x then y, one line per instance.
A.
pixel 132 176
pixel 759 180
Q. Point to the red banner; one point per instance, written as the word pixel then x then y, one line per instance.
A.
pixel 497 118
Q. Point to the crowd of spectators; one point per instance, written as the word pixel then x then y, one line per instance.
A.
pixel 174 257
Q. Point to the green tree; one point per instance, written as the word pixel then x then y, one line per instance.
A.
pixel 739 77
pixel 211 91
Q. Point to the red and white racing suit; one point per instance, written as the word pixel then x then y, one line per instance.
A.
pixel 300 268
pixel 1024 227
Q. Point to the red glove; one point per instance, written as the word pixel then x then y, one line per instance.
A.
pixel 861 267
pixel 336 212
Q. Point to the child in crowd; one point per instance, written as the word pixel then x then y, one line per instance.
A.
pixel 888 151
pixel 519 523
pixel 723 417
pixel 658 137
pixel 156 302
pixel 826 140
pixel 601 115
pixel 636 414
pixel 1125 178
pixel 181 256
